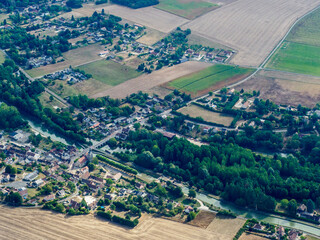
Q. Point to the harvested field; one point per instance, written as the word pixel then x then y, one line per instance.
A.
pixel 148 81
pixel 194 39
pixel 209 79
pixel 109 72
pixel 250 236
pixel 189 9
pixel 75 57
pixel 152 36
pixel 23 223
pixel 253 27
pixel 203 219
pixel 209 116
pixel 285 88
pixel 149 16
pixel 229 226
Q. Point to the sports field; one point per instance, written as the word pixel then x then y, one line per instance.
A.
pixel 189 9
pixel 109 72
pixel 301 50
pixel 205 80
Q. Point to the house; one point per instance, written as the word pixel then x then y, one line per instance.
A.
pixel 61 193
pixel 81 162
pixel 31 176
pixel 5 177
pixel 76 202
pixel 293 234
pixel 23 192
pixel 257 227
pixel 190 126
pixel 49 198
pixel 116 177
pixel 37 183
pixel 110 196
pixel 13 177
pixel 302 208
pixel 281 231
pixel 140 185
pixel 91 202
pixel 188 209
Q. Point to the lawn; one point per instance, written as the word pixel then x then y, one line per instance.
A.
pixel 207 78
pixel 109 72
pixel 297 57
pixel 189 9
pixel 209 116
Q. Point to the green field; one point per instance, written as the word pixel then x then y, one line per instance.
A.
pixel 186 8
pixel 109 72
pixel 297 57
pixel 208 78
pixel 301 50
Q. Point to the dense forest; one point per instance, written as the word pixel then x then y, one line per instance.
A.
pixel 12 5
pixel 16 90
pixel 229 170
pixel 136 3
pixel 10 117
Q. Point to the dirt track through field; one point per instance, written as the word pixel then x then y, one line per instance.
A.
pixel 253 27
pixel 22 223
pixel 146 82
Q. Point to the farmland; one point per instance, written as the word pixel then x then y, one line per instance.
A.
pixel 109 72
pixel 147 82
pixel 301 50
pixel 209 116
pixel 285 88
pixel 297 57
pixel 209 79
pixel 251 27
pixel 151 37
pixel 23 223
pixel 186 8
pixel 149 16
pixel 75 57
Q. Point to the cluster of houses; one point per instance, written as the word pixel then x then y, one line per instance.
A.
pixel 302 211
pixel 39 61
pixel 219 56
pixel 68 75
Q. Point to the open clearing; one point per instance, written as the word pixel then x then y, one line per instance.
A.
pixel 209 79
pixel 75 57
pixel 194 39
pixel 2 57
pixel 203 219
pixel 209 116
pixel 24 223
pixel 301 50
pixel 109 72
pixel 250 236
pixel 229 226
pixel 285 88
pixel 151 37
pixel 189 9
pixel 148 16
pixel 88 87
pixel 148 81
pixel 253 27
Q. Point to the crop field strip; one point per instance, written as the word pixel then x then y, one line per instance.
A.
pixel 199 82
